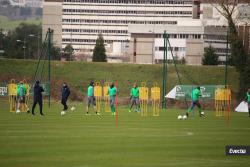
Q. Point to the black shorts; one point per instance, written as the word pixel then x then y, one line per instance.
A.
pixel 21 99
pixel 91 100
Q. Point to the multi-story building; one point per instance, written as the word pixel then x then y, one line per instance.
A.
pixel 125 24
pixel 83 20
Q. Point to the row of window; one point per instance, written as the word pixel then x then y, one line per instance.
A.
pixel 176 49
pixel 215 37
pixel 181 36
pixel 126 22
pixel 176 2
pixel 96 31
pixel 89 40
pixel 84 11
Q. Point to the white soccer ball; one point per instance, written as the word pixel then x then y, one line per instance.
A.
pixel 18 111
pixel 63 113
pixel 184 117
pixel 72 108
pixel 179 117
pixel 202 113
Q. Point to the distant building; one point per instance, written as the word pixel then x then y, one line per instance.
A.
pixel 133 29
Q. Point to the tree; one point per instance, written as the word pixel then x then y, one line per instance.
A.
pixel 55 53
pixel 209 57
pixel 69 52
pixel 27 36
pixel 99 54
pixel 239 57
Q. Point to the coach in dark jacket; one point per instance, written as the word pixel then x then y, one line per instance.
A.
pixel 65 94
pixel 38 97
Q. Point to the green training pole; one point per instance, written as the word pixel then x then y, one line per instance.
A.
pixel 164 72
pixel 49 59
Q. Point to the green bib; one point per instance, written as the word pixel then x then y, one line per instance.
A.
pixel 248 97
pixel 135 92
pixel 196 94
pixel 90 91
pixel 112 91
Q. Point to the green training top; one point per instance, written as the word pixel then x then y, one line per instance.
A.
pixel 248 97
pixel 196 94
pixel 112 91
pixel 90 91
pixel 134 92
pixel 21 90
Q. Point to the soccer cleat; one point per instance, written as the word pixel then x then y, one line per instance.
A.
pixel 87 114
pixel 98 113
pixel 187 114
pixel 129 110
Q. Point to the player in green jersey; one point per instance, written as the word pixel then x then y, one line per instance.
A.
pixel 247 99
pixel 134 97
pixel 112 91
pixel 196 93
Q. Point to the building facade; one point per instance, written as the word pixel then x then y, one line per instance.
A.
pixel 133 29
pixel 83 20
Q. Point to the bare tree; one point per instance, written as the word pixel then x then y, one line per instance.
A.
pixel 239 57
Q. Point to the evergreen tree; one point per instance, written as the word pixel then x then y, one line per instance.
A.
pixel 69 52
pixel 99 54
pixel 209 57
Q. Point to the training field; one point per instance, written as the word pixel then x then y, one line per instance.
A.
pixel 76 140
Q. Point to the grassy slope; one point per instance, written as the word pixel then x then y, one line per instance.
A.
pixel 77 140
pixel 78 74
pixel 7 24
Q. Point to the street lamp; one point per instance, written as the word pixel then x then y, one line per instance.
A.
pixel 24 46
pixel 38 48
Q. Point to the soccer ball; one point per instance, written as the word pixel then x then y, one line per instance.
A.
pixel 72 108
pixel 179 117
pixel 18 111
pixel 63 113
pixel 184 117
pixel 202 113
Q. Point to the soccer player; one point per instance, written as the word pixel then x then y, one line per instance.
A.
pixel 196 93
pixel 112 95
pixel 65 94
pixel 247 99
pixel 134 97
pixel 21 93
pixel 38 98
pixel 91 98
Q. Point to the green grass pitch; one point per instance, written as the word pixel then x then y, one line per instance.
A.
pixel 76 140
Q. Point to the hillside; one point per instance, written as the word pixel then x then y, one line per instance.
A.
pixel 79 74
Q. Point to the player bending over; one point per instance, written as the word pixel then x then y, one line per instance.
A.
pixel 196 93
pixel 112 95
pixel 134 97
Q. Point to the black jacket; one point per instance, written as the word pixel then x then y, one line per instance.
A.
pixel 38 92
pixel 65 92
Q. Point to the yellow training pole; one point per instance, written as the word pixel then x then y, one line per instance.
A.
pixel 98 96
pixel 144 99
pixel 155 97
pixel 106 97
pixel 12 94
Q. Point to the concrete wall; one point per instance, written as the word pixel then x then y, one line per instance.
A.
pixel 141 48
pixel 52 18
pixel 194 51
